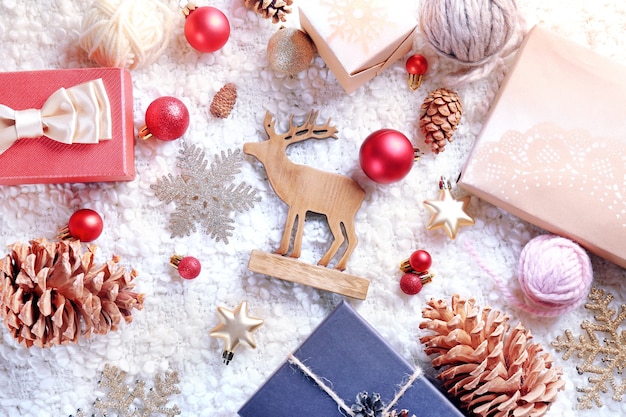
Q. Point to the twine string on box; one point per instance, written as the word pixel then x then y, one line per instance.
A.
pixel 319 381
pixel 554 273
pixel 477 35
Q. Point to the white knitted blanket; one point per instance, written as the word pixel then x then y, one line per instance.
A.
pixel 172 331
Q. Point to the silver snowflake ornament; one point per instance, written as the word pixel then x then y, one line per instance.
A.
pixel 205 195
pixel 136 400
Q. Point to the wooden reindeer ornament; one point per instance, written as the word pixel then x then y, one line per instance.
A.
pixel 307 189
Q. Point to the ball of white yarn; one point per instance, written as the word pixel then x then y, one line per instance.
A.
pixel 469 32
pixel 125 33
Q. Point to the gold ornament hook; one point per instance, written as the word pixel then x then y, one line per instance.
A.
pixel 414 81
pixel 444 183
pixel 187 7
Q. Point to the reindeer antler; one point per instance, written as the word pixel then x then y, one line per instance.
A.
pixel 268 123
pixel 298 133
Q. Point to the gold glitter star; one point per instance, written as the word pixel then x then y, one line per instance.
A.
pixel 235 327
pixel 448 213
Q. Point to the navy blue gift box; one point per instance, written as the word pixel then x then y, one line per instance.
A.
pixel 350 357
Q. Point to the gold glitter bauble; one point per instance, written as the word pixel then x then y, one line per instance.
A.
pixel 290 51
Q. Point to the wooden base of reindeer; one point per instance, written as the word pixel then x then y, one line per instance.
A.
pixel 322 278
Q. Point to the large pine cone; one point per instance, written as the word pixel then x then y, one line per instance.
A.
pixel 493 372
pixel 51 292
pixel 270 9
pixel 440 115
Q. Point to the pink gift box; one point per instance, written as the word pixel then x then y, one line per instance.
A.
pixel 42 160
pixel 358 39
pixel 553 148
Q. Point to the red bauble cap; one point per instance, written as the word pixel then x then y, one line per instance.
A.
pixel 85 225
pixel 386 156
pixel 207 29
pixel 167 118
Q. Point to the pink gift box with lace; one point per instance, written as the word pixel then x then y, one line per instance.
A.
pixel 72 125
pixel 553 148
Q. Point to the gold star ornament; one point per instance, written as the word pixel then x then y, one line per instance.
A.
pixel 235 327
pixel 448 213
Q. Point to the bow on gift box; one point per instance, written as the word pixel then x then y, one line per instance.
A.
pixel 79 114
pixel 366 405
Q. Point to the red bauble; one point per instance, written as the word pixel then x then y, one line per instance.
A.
pixel 189 267
pixel 207 29
pixel 411 283
pixel 386 156
pixel 420 261
pixel 167 118
pixel 85 225
pixel 417 64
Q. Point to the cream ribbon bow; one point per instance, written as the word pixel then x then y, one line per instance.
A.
pixel 79 114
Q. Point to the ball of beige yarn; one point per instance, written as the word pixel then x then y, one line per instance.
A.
pixel 290 51
pixel 125 33
pixel 470 32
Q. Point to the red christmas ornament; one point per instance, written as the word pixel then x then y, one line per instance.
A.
pixel 416 66
pixel 419 261
pixel 387 156
pixel 412 283
pixel 85 225
pixel 167 118
pixel 206 28
pixel 188 266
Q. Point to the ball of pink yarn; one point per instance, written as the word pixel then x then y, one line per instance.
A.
pixel 555 275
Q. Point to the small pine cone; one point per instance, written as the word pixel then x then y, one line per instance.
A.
pixel 277 10
pixel 492 371
pixel 51 292
pixel 368 405
pixel 440 115
pixel 224 101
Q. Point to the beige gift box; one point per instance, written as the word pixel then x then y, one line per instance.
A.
pixel 358 39
pixel 553 148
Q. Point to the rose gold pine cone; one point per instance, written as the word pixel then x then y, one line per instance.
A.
pixel 52 292
pixel 277 10
pixel 492 371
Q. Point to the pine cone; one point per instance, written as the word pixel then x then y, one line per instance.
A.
pixel 441 114
pixel 493 372
pixel 50 292
pixel 274 9
pixel 224 101
pixel 368 405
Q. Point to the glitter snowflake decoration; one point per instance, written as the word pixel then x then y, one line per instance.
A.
pixel 136 401
pixel 205 195
pixel 603 356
